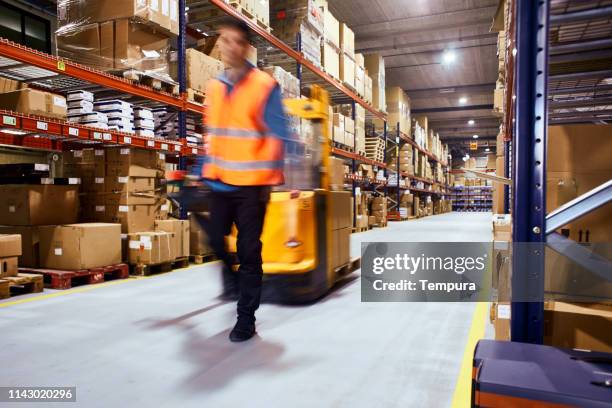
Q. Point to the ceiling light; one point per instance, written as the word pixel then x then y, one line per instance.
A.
pixel 475 136
pixel 449 57
pixel 464 159
pixel 487 150
pixel 514 51
pixel 463 100
pixel 471 122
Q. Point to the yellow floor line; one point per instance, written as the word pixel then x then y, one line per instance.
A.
pixel 463 389
pixel 88 288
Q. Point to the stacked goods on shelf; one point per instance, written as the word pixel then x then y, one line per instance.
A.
pixel 378 210
pixel 10 250
pixel 210 47
pixel 199 69
pixel 498 188
pixel 375 148
pixel 406 205
pixel 367 89
pixel 198 240
pixel 179 236
pixel 406 159
pixel 341 216
pixel 330 48
pixel 421 130
pixel 15 96
pixel 160 15
pixel 144 124
pixel 81 110
pixel 337 172
pixel 375 66
pixel 167 126
pixel 261 9
pixel 502 275
pixel 360 75
pixel 398 108
pixel 290 18
pixel 120 114
pixel 112 43
pixel 362 216
pixel 360 144
pixel 288 83
pixel 347 57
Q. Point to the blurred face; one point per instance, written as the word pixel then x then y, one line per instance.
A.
pixel 233 46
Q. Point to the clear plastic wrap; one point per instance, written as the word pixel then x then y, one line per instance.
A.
pixel 117 35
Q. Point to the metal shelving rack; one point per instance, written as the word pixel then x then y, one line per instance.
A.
pixel 579 27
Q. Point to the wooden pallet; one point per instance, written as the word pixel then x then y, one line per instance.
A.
pixel 361 229
pixel 151 79
pixel 195 96
pixel 153 269
pixel 250 15
pixel 200 259
pixel 58 279
pixel 20 284
pixel 343 146
pixel 346 269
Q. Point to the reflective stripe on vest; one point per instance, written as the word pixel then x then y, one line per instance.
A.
pixel 241 150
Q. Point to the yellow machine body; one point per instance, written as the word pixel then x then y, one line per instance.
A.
pixel 297 230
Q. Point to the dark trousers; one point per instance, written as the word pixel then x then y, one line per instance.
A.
pixel 246 207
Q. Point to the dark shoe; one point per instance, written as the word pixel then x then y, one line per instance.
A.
pixel 242 331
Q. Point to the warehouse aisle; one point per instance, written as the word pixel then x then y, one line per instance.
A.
pixel 162 341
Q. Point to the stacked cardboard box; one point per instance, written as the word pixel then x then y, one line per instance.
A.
pixel 368 91
pixel 116 43
pixel 421 130
pixel 179 236
pixel 34 102
pixel 406 159
pixel 198 240
pixel 362 213
pixel 336 173
pixel 360 75
pixel 9 85
pixel 502 275
pixel 406 205
pixel 398 108
pixel 10 250
pixel 79 246
pixel 299 16
pixel 347 57
pixel 289 84
pixel 378 209
pixel 200 68
pixel 340 214
pixel 375 66
pixel 261 8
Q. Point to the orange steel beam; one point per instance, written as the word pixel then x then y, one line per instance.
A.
pixel 228 9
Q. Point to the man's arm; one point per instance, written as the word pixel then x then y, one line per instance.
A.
pixel 275 117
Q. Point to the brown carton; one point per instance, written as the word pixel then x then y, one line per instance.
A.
pixel 139 47
pixel 29 101
pixel 80 246
pixel 340 209
pixel 198 240
pixel 127 190
pixel 8 267
pixel 133 218
pixel 180 229
pixel 38 204
pixel 29 244
pixel 125 161
pixel 150 248
pixel 10 245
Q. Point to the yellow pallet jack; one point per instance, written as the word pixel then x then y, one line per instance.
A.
pixel 298 241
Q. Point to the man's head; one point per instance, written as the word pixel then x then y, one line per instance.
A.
pixel 234 41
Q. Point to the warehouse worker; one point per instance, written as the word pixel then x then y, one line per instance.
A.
pixel 245 128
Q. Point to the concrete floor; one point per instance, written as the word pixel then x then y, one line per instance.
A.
pixel 162 341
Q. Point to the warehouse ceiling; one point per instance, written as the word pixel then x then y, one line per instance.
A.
pixel 413 36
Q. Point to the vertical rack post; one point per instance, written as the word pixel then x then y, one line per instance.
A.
pixel 353 168
pixel 385 171
pixel 530 170
pixel 397 165
pixel 298 66
pixel 507 160
pixel 182 114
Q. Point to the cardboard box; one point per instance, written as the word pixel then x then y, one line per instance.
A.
pixel 125 161
pixel 129 190
pixel 29 244
pixel 138 47
pixel 340 209
pixel 198 240
pixel 331 60
pixel 9 85
pixel 8 267
pixel 332 28
pixel 180 229
pixel 583 326
pixel 200 68
pixel 34 102
pixel 90 44
pixel 341 244
pixel 500 316
pixel 336 173
pixel 347 70
pixel 38 204
pixel 347 40
pixel 10 245
pixel 150 248
pixel 80 246
pixel 133 218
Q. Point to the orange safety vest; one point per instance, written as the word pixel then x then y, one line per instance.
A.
pixel 241 150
